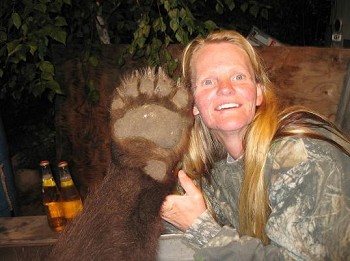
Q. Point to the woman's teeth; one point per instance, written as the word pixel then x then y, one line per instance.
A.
pixel 227 106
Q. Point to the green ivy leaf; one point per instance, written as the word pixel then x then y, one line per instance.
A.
pixel 167 55
pixel 244 7
pixel 140 42
pixel 13 47
pixel 166 5
pixel 38 88
pixel 40 7
pixel 59 35
pixel 24 29
pixel 42 48
pixel 265 14
pixel 46 76
pixel 21 54
pixel 168 40
pixel 174 24
pixel 54 86
pixel 182 13
pixel 60 21
pixel 174 14
pixel 145 30
pixel 181 36
pixel 172 65
pixel 156 44
pixel 230 4
pixel 16 19
pixel 210 25
pixel 157 24
pixel 254 10
pixel 132 48
pixel 32 47
pixel 46 66
pixel 3 36
pixel 219 7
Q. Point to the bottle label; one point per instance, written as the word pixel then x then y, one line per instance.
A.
pixel 49 182
pixel 67 183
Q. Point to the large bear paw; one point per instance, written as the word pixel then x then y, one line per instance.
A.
pixel 151 118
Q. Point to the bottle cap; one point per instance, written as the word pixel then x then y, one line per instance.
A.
pixel 62 163
pixel 44 163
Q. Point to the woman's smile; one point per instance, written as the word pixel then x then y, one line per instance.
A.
pixel 226 106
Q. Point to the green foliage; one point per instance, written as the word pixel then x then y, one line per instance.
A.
pixel 29 29
pixel 171 21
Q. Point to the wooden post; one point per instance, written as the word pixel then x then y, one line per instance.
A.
pixel 343 113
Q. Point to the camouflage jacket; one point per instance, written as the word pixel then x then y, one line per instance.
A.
pixel 308 183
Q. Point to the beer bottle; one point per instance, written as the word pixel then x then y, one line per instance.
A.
pixel 51 198
pixel 71 200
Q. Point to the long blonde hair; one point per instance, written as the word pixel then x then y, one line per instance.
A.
pixel 267 124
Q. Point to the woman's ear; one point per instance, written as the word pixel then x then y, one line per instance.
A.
pixel 195 110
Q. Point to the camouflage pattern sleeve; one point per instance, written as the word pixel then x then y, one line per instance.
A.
pixel 214 242
pixel 202 230
pixel 225 248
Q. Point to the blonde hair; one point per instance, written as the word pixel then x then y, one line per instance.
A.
pixel 205 149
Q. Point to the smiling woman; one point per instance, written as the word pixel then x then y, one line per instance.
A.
pixel 270 177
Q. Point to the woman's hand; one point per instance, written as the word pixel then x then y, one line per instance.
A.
pixel 182 211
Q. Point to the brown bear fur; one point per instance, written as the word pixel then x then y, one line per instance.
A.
pixel 151 118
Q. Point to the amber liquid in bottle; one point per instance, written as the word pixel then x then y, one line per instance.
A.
pixel 71 199
pixel 72 203
pixel 53 205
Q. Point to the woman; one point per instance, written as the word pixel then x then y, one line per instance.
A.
pixel 273 185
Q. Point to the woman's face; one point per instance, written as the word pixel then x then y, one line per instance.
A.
pixel 226 94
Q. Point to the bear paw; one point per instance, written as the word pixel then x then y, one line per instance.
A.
pixel 151 118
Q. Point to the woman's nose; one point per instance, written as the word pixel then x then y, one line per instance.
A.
pixel 225 87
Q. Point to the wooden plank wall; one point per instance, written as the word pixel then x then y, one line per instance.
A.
pixel 313 77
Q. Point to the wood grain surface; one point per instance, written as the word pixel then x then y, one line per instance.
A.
pixel 309 76
pixel 26 231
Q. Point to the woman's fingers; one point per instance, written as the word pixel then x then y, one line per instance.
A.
pixel 183 210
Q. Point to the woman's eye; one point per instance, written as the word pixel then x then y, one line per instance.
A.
pixel 239 77
pixel 208 82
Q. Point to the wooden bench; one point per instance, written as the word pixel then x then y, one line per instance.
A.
pixel 25 238
pixel 30 238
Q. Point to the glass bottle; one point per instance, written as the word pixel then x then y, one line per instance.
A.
pixel 52 198
pixel 71 199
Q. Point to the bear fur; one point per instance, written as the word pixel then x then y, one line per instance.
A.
pixel 150 121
